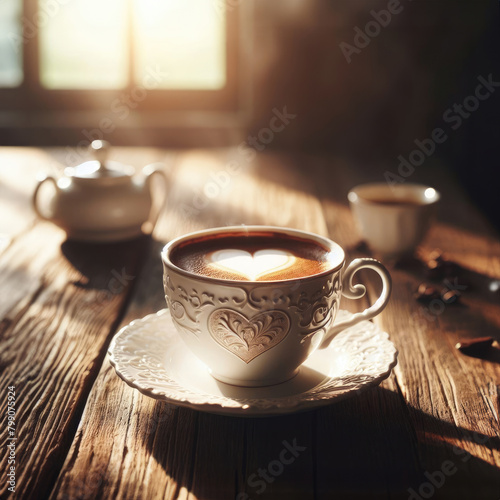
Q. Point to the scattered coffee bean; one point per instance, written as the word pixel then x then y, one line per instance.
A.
pixel 438 268
pixel 475 347
pixel 437 255
pixel 426 293
pixel 435 264
pixel 450 296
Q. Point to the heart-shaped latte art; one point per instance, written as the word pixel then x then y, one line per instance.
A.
pixel 253 266
pixel 248 338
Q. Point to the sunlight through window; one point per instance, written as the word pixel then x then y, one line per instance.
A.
pixel 11 46
pixel 83 45
pixel 94 44
pixel 185 39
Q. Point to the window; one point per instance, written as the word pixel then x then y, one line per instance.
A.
pixel 11 71
pixel 85 54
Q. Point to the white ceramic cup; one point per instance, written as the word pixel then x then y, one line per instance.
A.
pixel 286 320
pixel 393 220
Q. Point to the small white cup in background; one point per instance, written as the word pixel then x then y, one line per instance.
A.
pixel 393 219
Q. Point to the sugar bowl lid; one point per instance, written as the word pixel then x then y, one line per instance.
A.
pixel 100 167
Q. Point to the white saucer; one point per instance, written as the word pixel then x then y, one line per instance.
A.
pixel 149 355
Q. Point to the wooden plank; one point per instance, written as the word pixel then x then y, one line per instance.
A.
pixel 60 303
pixel 180 453
pixel 222 188
pixel 449 400
pixel 54 339
pixel 378 444
pixel 449 396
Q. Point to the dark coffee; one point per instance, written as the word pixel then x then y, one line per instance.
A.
pixel 256 256
pixel 409 202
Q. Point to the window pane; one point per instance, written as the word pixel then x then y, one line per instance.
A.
pixel 84 44
pixel 180 44
pixel 11 43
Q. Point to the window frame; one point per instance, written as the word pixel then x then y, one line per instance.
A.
pixel 31 97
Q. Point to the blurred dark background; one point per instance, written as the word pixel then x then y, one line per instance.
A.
pixel 368 110
pixel 396 90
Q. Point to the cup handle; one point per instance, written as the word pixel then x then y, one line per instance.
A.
pixel 34 200
pixel 150 171
pixel 357 291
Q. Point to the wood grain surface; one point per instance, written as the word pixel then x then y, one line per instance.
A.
pixel 83 433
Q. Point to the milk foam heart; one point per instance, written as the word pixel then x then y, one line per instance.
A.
pixel 253 266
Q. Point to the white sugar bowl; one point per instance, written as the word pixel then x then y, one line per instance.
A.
pixel 102 200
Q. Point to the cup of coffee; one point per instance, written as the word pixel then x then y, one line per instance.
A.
pixel 253 302
pixel 393 220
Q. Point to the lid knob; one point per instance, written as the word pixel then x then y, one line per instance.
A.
pixel 100 150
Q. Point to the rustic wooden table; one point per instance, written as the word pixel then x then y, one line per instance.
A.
pixel 432 428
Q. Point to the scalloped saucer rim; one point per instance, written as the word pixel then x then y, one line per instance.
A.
pixel 150 356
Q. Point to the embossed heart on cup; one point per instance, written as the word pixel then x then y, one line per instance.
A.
pixel 253 266
pixel 248 338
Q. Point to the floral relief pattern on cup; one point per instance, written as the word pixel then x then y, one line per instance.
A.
pixel 317 309
pixel 185 306
pixel 245 337
pixel 314 309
